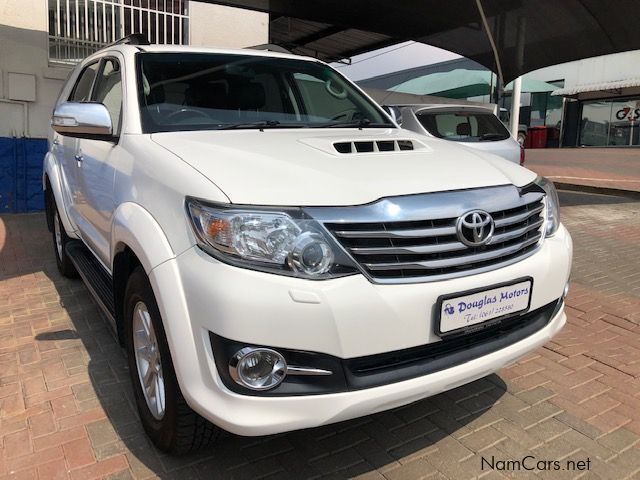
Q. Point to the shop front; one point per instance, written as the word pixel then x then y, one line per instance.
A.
pixel 604 115
pixel 610 123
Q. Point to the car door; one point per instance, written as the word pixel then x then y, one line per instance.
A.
pixel 96 172
pixel 66 147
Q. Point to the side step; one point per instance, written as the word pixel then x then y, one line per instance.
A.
pixel 95 277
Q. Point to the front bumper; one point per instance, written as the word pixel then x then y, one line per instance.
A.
pixel 344 318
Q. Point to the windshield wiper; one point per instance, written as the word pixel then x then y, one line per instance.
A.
pixel 493 136
pixel 362 123
pixel 262 124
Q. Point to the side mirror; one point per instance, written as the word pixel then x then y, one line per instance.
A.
pixel 83 120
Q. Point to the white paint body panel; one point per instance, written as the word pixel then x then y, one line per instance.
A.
pixel 354 317
pixel 301 167
pixel 133 195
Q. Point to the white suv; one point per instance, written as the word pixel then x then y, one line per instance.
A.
pixel 274 253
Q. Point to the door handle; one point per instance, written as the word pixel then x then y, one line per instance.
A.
pixel 79 158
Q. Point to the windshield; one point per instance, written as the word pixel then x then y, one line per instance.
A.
pixel 205 91
pixel 464 126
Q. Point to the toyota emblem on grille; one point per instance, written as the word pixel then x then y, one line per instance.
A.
pixel 475 228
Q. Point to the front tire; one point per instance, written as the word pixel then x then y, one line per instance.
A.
pixel 60 241
pixel 169 422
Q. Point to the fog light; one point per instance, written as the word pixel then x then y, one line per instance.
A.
pixel 258 368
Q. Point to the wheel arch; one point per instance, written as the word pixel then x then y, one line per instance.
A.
pixel 52 188
pixel 136 240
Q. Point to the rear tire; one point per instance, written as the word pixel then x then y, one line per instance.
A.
pixel 60 241
pixel 169 422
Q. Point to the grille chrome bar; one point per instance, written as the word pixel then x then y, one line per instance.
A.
pixel 408 233
pixel 503 222
pixel 413 238
pixel 419 249
pixel 455 261
pixel 505 237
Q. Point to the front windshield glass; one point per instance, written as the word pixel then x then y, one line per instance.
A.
pixel 211 91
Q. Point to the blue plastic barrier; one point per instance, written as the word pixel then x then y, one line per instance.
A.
pixel 21 174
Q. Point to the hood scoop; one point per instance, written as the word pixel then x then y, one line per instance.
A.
pixel 374 146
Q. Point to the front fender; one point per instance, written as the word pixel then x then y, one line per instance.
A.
pixel 51 170
pixel 135 227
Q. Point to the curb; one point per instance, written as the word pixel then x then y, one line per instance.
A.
pixel 618 192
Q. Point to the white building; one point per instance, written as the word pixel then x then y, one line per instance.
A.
pixel 40 40
pixel 602 99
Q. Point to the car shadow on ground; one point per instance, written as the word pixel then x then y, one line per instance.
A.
pixel 346 449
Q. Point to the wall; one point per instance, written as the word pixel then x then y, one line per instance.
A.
pixel 220 26
pixel 24 50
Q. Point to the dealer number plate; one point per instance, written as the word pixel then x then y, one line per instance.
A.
pixel 466 310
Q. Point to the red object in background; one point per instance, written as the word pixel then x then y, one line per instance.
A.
pixel 536 137
pixel 522 154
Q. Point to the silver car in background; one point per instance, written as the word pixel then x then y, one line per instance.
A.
pixel 473 126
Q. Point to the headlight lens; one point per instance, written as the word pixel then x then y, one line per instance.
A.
pixel 278 242
pixel 552 205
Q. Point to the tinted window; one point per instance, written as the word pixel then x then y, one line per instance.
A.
pixel 464 126
pixel 82 89
pixel 181 91
pixel 108 91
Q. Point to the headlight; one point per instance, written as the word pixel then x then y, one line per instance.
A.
pixel 284 242
pixel 552 205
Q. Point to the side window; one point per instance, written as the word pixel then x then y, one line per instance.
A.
pixel 82 89
pixel 108 91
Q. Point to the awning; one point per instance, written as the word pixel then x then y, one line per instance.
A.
pixel 618 87
pixel 462 83
pixel 511 36
pixel 387 97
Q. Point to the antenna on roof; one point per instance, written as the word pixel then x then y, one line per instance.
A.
pixel 133 39
pixel 271 47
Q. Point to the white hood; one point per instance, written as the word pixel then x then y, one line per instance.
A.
pixel 300 167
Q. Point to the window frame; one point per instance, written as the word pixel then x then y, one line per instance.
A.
pixel 102 61
pixel 115 137
pixel 79 77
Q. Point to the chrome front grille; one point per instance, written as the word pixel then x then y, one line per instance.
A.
pixel 429 249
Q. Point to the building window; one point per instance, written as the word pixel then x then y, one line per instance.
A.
pixel 606 123
pixel 77 28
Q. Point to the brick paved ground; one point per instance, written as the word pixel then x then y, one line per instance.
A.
pixel 66 409
pixel 617 168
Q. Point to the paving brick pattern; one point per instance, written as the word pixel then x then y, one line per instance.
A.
pixel 617 168
pixel 66 408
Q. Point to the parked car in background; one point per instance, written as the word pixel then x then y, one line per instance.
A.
pixel 505 118
pixel 473 126
pixel 274 253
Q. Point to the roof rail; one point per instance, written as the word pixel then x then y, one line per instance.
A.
pixel 271 47
pixel 133 39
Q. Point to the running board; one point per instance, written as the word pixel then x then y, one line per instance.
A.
pixel 95 277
